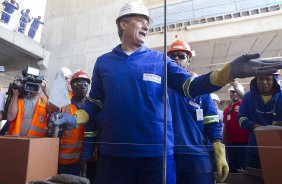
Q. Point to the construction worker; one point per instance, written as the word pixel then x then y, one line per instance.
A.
pixel 193 121
pixel 216 101
pixel 25 18
pixel 89 153
pixel 234 137
pixel 126 98
pixel 34 26
pixel 28 115
pixel 10 7
pixel 260 107
pixel 72 140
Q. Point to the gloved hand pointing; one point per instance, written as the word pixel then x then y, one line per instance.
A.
pixel 222 166
pixel 67 121
pixel 248 66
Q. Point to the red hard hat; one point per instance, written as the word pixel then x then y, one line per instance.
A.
pixel 180 46
pixel 80 75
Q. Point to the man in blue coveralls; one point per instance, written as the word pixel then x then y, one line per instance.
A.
pixel 10 7
pixel 126 99
pixel 25 18
pixel 34 26
pixel 260 107
pixel 193 121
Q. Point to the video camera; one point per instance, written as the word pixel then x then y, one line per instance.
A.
pixel 29 83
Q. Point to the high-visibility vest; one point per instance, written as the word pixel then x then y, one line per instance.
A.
pixel 38 126
pixel 70 94
pixel 71 142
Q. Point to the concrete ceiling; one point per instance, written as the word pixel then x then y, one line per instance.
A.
pixel 213 54
pixel 9 53
pixel 14 60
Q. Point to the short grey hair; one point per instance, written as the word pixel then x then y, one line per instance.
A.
pixel 125 19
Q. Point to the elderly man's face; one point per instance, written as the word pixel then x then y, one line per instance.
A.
pixel 135 30
pixel 265 84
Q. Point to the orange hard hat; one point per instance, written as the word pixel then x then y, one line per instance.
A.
pixel 180 46
pixel 80 75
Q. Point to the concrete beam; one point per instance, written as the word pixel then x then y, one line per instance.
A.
pixel 220 29
pixel 22 45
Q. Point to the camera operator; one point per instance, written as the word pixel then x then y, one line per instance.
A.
pixel 27 112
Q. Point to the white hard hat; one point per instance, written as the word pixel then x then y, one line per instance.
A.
pixel 215 97
pixel 277 72
pixel 240 88
pixel 66 71
pixel 134 7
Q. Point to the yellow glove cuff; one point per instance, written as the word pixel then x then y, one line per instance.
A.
pixel 222 166
pixel 81 116
pixel 219 148
pixel 222 76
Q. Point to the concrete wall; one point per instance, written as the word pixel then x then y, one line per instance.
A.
pixel 80 31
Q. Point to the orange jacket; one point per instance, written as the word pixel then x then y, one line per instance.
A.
pixel 38 126
pixel 72 142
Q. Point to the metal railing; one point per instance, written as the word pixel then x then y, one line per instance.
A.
pixel 14 24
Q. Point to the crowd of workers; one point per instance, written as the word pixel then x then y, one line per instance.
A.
pixel 10 7
pixel 121 140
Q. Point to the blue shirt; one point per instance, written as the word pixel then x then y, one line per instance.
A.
pixel 253 110
pixel 189 133
pixel 9 7
pixel 131 90
pixel 35 24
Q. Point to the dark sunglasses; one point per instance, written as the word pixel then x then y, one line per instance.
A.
pixel 179 55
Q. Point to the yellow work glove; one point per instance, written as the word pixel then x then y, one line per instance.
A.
pixel 222 166
pixel 81 116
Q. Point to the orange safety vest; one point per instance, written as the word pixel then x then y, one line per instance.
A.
pixel 70 94
pixel 71 142
pixel 38 126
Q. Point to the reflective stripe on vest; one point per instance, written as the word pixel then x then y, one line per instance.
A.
pixel 74 145
pixel 90 134
pixel 69 156
pixel 72 141
pixel 38 125
pixel 37 129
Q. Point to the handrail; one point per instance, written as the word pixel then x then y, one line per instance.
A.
pixel 14 24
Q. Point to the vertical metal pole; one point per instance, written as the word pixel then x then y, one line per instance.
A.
pixel 165 98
